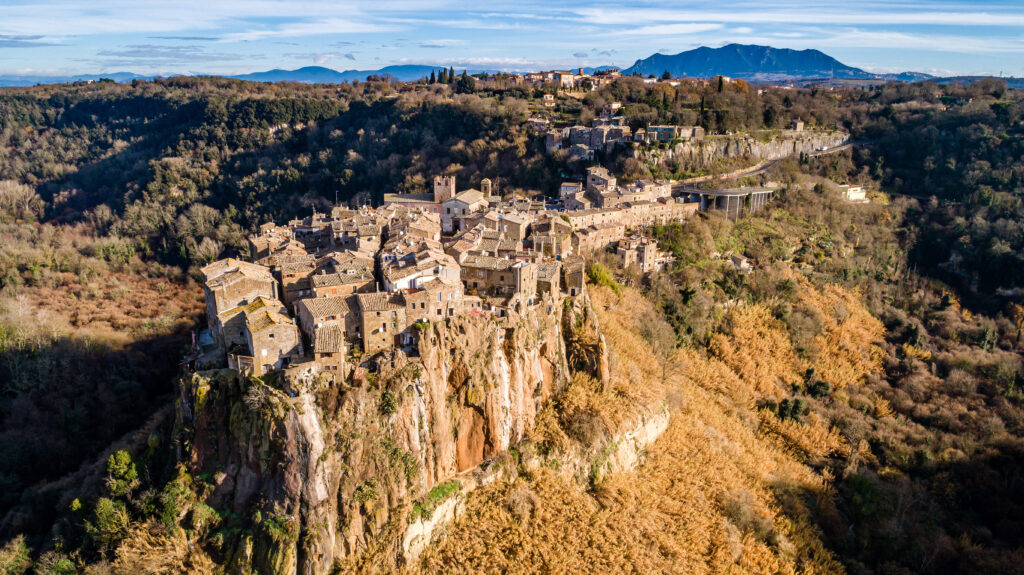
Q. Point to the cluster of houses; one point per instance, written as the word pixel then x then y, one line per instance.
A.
pixel 322 290
pixel 327 287
pixel 604 133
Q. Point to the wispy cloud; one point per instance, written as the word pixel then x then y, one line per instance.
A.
pixel 22 41
pixel 159 55
pixel 325 27
pixel 790 13
pixel 187 38
pixel 679 29
pixel 442 43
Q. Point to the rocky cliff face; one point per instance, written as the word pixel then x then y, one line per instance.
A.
pixel 697 155
pixel 317 475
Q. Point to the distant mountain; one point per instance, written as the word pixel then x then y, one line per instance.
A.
pixel 321 75
pixel 32 80
pixel 756 63
pixel 1011 82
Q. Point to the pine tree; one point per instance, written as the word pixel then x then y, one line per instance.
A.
pixel 433 79
pixel 451 74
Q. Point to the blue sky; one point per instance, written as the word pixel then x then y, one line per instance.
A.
pixel 238 36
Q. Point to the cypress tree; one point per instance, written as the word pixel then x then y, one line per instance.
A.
pixel 433 79
pixel 451 74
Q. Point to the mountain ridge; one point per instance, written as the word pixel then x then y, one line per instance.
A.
pixel 754 63
pixel 758 63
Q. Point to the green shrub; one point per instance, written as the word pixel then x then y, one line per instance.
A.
pixel 109 524
pixel 14 557
pixel 122 477
pixel 366 492
pixel 388 403
pixel 425 506
pixel 599 275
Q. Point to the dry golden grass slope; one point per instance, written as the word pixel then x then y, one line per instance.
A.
pixel 726 489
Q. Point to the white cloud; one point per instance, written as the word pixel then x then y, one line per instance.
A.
pixel 799 14
pixel 680 29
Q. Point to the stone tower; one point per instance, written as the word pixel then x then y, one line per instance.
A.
pixel 485 187
pixel 444 188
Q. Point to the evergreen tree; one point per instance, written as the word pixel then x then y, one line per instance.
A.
pixel 451 74
pixel 433 79
pixel 666 76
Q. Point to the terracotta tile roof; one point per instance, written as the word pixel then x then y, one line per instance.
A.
pixel 329 339
pixel 263 319
pixel 220 268
pixel 548 270
pixel 321 307
pixel 378 301
pixel 469 197
pixel 337 279
pixel 486 262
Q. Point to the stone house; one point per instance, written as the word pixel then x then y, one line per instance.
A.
pixel 570 189
pixel 417 268
pixel 499 276
pixel 382 319
pixel 315 313
pixel 512 225
pixel 578 201
pixel 549 275
pixel 232 324
pixel 436 301
pixel 574 276
pixel 640 252
pixel 462 205
pixel 329 350
pixel 585 218
pixel 295 280
pixel 341 284
pixel 597 237
pixel 272 338
pixel 599 179
pixel 231 283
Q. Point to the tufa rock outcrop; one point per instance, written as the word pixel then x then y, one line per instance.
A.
pixel 703 154
pixel 314 476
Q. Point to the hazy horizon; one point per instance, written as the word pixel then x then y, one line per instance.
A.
pixel 59 37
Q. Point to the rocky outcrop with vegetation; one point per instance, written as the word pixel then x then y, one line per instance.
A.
pixel 704 154
pixel 306 474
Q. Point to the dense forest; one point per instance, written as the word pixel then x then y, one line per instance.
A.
pixel 112 194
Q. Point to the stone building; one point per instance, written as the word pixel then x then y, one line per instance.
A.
pixel 454 210
pixel 315 313
pixel 574 275
pixel 444 188
pixel 599 179
pixel 549 276
pixel 329 350
pixel 272 337
pixel 341 284
pixel 382 317
pixel 499 276
pixel 230 283
pixel 436 301
pixel 640 252
pixel 597 237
